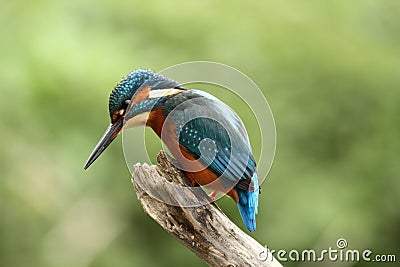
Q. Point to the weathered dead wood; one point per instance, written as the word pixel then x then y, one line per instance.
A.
pixel 205 230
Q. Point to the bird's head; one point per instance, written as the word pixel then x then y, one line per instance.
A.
pixel 130 102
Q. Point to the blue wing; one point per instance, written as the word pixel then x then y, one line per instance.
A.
pixel 212 133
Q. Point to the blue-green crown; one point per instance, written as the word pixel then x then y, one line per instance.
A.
pixel 127 87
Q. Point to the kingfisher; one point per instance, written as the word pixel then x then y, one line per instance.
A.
pixel 204 135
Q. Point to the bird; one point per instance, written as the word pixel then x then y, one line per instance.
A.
pixel 204 135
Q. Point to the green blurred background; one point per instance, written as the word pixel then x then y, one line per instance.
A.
pixel 329 69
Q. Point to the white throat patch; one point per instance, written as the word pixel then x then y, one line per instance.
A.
pixel 138 120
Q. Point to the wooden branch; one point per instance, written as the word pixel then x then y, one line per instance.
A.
pixel 205 230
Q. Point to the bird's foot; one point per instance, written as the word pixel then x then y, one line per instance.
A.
pixel 213 195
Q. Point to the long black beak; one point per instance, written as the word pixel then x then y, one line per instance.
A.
pixel 110 134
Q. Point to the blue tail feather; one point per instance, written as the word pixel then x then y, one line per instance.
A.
pixel 248 205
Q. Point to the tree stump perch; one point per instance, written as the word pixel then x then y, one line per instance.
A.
pixel 205 230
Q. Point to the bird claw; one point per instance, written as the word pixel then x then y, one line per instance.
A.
pixel 213 195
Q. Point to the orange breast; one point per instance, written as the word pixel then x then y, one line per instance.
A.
pixel 156 121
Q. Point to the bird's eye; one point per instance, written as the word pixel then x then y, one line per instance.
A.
pixel 118 114
pixel 114 117
pixel 121 111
